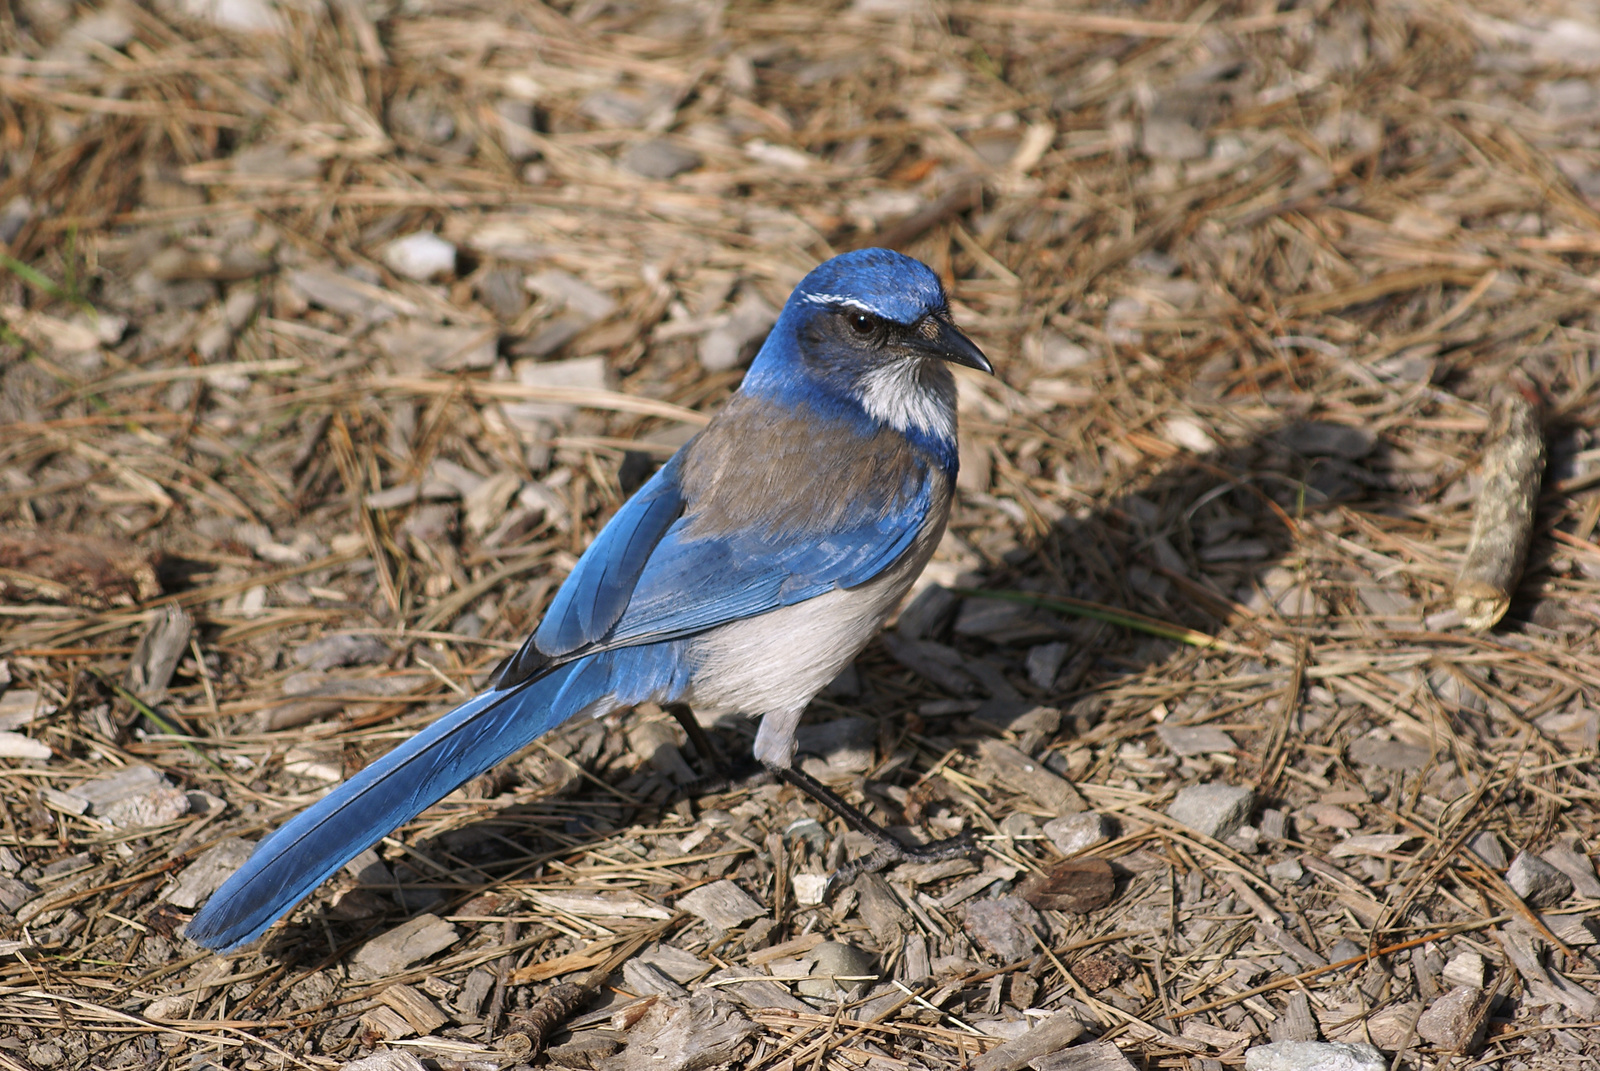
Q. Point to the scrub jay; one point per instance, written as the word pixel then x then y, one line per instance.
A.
pixel 742 577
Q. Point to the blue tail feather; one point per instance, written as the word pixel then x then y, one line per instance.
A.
pixel 462 744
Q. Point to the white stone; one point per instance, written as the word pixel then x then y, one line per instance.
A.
pixel 421 256
pixel 1214 809
pixel 810 889
pixel 1313 1056
pixel 1074 833
pixel 1537 882
pixel 17 746
pixel 1464 969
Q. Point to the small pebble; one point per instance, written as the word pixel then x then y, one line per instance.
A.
pixel 421 256
pixel 1075 833
pixel 1313 1056
pixel 1214 809
pixel 1464 969
pixel 1537 882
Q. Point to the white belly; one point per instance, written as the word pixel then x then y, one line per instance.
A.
pixel 772 665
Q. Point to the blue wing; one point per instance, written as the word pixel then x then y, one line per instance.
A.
pixel 649 577
pixel 693 584
pixel 597 592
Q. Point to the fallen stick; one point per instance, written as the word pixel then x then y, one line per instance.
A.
pixel 1502 520
pixel 534 1027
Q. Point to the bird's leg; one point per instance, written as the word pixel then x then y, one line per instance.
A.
pixel 697 735
pixel 887 850
pixel 715 776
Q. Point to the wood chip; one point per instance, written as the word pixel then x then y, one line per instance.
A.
pixel 1078 886
pixel 1013 768
pixel 1043 1038
pixel 722 904
pixel 1502 516
pixel 392 952
pixel 421 1013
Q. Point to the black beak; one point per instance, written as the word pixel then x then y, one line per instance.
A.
pixel 941 338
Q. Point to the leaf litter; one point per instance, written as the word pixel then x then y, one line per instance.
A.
pixel 330 334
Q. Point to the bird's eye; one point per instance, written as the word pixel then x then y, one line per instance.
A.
pixel 863 323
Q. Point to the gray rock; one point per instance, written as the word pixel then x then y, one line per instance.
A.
pixel 1344 949
pixel 1486 846
pixel 938 662
pixel 1172 139
pixel 1537 882
pixel 1043 664
pixel 1194 739
pixel 1004 927
pixel 14 893
pixel 659 158
pixel 838 969
pixel 845 745
pixel 414 346
pixel 1453 1022
pixel 571 291
pixel 339 293
pixel 132 797
pixel 928 614
pixel 1576 866
pixel 588 373
pixel 14 216
pixel 1286 872
pixel 1004 622
pixel 1057 353
pixel 1214 809
pixel 1313 1056
pixel 1075 833
pixel 551 335
pixel 1246 838
pixel 1019 772
pixel 369 869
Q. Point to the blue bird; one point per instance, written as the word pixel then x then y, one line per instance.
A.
pixel 741 578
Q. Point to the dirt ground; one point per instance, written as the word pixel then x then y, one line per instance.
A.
pixel 332 330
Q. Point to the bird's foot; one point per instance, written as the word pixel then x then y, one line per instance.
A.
pixel 886 849
pixel 888 852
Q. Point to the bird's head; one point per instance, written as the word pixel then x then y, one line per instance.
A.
pixel 869 331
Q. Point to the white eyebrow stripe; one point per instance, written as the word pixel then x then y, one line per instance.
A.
pixel 849 302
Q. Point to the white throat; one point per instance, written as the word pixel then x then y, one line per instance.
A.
pixel 897 394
